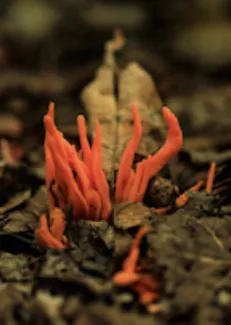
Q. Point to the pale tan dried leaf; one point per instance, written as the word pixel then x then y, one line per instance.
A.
pixel 135 85
pixel 100 102
pixel 131 215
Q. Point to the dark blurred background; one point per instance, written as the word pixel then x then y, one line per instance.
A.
pixel 47 35
pixel 50 49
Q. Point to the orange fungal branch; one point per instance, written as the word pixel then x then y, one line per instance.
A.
pixel 131 185
pixel 73 179
pixel 76 178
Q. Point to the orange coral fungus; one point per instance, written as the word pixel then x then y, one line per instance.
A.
pixel 131 185
pixel 52 237
pixel 210 178
pixel 78 182
pixel 183 198
pixel 143 284
pixel 77 179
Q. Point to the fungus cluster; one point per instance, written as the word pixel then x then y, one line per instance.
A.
pixel 131 185
pixel 135 275
pixel 76 178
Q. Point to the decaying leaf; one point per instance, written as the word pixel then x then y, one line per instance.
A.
pixel 15 201
pixel 134 85
pixel 131 215
pixel 21 221
pixel 100 102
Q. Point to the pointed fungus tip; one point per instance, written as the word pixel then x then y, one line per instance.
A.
pixel 81 119
pixel 174 128
pixel 167 113
pixel 81 122
pixel 137 121
pixel 51 110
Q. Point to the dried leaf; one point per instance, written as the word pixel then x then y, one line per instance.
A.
pixel 131 215
pixel 15 201
pixel 135 85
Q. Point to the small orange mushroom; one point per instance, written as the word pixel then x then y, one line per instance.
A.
pixel 52 237
pixel 210 178
pixel 183 198
pixel 87 190
pixel 72 179
pixel 77 179
pixel 130 275
pixel 130 185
